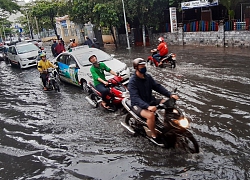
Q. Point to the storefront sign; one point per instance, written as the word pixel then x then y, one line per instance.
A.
pixel 199 3
pixel 173 19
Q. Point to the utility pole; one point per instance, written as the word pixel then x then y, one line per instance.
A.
pixel 125 22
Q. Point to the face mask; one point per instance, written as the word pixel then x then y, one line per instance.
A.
pixel 143 70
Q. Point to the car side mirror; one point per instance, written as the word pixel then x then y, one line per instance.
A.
pixel 72 66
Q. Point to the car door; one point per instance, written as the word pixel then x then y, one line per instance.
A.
pixel 15 55
pixel 63 67
pixel 9 53
pixel 73 70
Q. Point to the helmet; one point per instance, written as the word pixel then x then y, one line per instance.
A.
pixel 160 39
pixel 42 54
pixel 91 56
pixel 138 61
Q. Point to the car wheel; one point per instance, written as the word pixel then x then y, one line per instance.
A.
pixel 84 86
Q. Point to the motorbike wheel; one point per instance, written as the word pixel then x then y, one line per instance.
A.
pixel 130 121
pixel 56 87
pixel 188 143
pixel 173 64
pixel 84 86
pixel 95 99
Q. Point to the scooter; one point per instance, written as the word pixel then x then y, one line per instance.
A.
pixel 170 59
pixel 172 127
pixel 117 93
pixel 52 82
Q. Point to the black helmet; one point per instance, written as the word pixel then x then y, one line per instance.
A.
pixel 138 61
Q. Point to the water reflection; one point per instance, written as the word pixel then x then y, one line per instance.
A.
pixel 59 136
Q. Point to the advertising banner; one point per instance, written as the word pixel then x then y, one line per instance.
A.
pixel 198 4
pixel 173 19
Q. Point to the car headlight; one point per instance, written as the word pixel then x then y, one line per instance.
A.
pixel 182 122
pixel 126 67
pixel 23 59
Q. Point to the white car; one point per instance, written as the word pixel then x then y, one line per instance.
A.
pixel 23 55
pixel 74 67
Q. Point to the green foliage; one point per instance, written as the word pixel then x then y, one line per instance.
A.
pixel 106 14
pixel 80 11
pixel 146 12
pixel 230 5
pixel 46 11
pixel 9 5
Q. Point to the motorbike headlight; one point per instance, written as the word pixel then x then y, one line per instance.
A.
pixel 182 122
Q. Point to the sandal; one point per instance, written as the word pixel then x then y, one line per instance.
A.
pixel 104 105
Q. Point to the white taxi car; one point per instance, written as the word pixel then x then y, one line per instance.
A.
pixel 74 66
pixel 23 55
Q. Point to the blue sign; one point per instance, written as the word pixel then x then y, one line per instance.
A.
pixel 16 26
pixel 20 30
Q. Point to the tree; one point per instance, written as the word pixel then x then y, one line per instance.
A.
pixel 230 5
pixel 107 16
pixel 147 12
pixel 81 11
pixel 8 6
pixel 48 9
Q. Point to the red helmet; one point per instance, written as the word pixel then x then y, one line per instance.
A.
pixel 160 39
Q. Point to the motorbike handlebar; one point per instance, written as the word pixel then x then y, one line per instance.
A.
pixel 170 103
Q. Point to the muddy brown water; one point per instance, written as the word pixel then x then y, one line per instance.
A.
pixel 47 135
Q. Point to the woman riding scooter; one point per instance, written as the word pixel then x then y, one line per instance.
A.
pixel 42 67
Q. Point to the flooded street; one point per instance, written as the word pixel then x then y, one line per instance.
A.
pixel 48 135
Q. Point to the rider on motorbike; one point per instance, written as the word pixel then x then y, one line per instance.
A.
pixel 42 67
pixel 143 103
pixel 97 70
pixel 163 50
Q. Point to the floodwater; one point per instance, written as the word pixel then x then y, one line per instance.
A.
pixel 48 135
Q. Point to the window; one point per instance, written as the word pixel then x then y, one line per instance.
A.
pixel 10 49
pixel 62 59
pixel 70 60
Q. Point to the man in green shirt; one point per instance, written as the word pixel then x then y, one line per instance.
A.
pixel 97 70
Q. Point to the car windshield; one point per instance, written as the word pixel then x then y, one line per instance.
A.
pixel 83 58
pixel 1 49
pixel 26 48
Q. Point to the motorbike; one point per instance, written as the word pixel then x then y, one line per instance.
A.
pixel 117 93
pixel 172 126
pixel 170 59
pixel 52 82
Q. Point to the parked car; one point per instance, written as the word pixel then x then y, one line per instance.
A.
pixel 23 55
pixel 74 66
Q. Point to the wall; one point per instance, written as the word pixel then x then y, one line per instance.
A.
pixel 218 38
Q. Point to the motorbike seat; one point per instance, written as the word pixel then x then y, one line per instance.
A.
pixel 128 102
